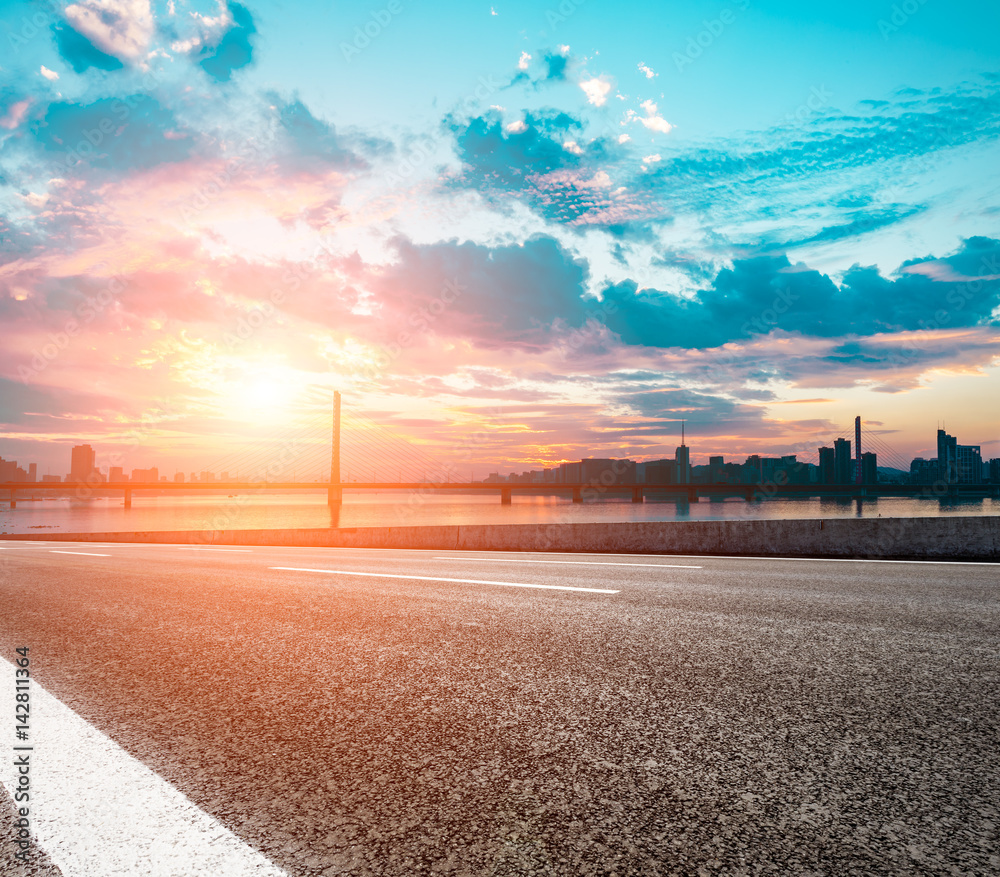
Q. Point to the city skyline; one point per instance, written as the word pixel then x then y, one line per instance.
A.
pixel 569 235
pixel 840 464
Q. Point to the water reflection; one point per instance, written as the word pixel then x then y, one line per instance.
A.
pixel 387 509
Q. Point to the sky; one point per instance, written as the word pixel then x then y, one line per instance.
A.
pixel 516 234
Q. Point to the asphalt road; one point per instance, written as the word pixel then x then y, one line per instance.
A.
pixel 664 715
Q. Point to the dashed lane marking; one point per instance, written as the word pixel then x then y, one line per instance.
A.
pixel 248 550
pixel 85 553
pixel 580 562
pixel 383 575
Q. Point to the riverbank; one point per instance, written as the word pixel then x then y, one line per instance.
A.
pixel 938 538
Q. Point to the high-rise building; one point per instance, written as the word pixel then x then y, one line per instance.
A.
pixel 923 471
pixel 607 472
pixel 179 477
pixel 843 465
pixel 7 469
pixel 869 468
pixel 995 470
pixel 116 474
pixel 660 472
pixel 32 472
pixel 947 457
pixel 827 466
pixel 969 464
pixel 81 462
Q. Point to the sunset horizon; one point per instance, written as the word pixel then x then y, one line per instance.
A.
pixel 558 247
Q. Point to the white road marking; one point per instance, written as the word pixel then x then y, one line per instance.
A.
pixel 215 549
pixel 85 553
pixel 580 562
pixel 473 554
pixel 20 548
pixel 98 812
pixel 383 575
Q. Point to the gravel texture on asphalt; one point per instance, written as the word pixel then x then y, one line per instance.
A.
pixel 751 717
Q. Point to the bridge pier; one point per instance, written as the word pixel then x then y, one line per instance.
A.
pixel 128 498
pixel 636 494
pixel 577 494
pixel 505 493
pixel 692 493
pixel 335 496
pixel 13 498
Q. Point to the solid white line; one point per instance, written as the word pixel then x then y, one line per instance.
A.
pixel 248 550
pixel 98 812
pixel 85 553
pixel 580 562
pixel 383 575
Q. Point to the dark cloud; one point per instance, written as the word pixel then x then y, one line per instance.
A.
pixel 233 48
pixel 313 145
pixel 758 295
pixel 80 53
pixel 504 158
pixel 115 133
pixel 555 66
pixel 535 163
pixel 860 222
pixel 508 296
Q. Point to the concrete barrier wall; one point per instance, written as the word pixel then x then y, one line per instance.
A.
pixel 969 538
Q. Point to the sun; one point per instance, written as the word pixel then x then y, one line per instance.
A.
pixel 262 400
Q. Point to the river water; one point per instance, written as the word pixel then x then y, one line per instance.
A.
pixel 394 509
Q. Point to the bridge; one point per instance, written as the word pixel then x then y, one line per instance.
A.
pixel 370 445
pixel 578 492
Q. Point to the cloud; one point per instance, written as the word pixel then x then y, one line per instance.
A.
pixel 555 65
pixel 759 295
pixel 119 28
pixel 510 295
pixel 80 53
pixel 652 120
pixel 50 75
pixel 523 61
pixel 647 71
pixel 136 131
pixel 597 90
pixel 310 144
pixel 231 48
pixel 14 114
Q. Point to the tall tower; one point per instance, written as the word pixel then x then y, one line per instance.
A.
pixel 683 458
pixel 335 493
pixel 857 449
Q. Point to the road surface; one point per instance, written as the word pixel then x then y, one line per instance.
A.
pixel 336 711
